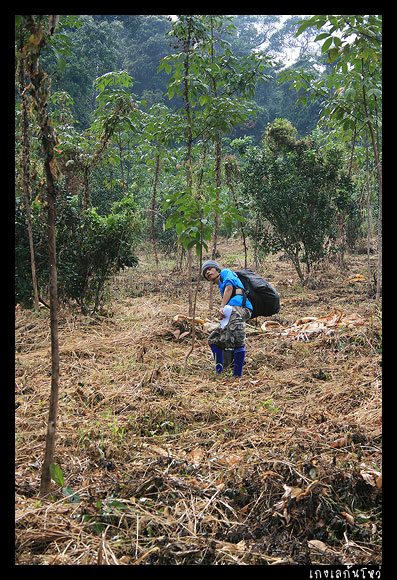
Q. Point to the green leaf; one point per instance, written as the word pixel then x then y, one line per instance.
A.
pixel 348 124
pixel 321 36
pixel 376 92
pixel 326 45
pixel 179 227
pixel 337 41
pixel 72 497
pixel 333 54
pixel 171 221
pixel 119 505
pixel 305 24
pixel 350 93
pixel 56 474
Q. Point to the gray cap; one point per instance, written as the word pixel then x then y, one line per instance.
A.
pixel 210 264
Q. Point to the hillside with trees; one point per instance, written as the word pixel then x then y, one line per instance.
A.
pixel 144 145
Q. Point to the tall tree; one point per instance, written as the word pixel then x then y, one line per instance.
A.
pixel 351 90
pixel 185 33
pixel 216 89
pixel 39 87
pixel 25 158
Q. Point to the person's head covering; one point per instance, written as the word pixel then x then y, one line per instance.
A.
pixel 210 264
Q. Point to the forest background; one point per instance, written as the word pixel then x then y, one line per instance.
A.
pixel 134 130
pixel 149 138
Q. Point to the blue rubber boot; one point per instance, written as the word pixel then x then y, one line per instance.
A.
pixel 239 356
pixel 218 357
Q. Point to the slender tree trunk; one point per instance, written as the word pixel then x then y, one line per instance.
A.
pixel 218 153
pixel 368 214
pixel 217 163
pixel 195 303
pixel 229 171
pixel 379 265
pixel 153 234
pixel 186 49
pixel 54 396
pixel 26 168
pixel 379 172
pixel 375 148
pixel 341 222
pixel 121 162
pixel 127 163
pixel 40 91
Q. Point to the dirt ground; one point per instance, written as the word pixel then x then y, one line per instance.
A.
pixel 163 466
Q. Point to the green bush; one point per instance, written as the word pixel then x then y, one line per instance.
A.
pixel 90 249
pixel 299 189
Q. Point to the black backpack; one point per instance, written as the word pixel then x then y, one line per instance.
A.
pixel 263 297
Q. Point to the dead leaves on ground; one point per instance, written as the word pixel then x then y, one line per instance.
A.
pixel 341 442
pixel 179 335
pixel 227 483
pixel 197 320
pixel 184 324
pixel 370 476
pixel 304 328
pixel 356 278
pixel 290 493
pixel 308 326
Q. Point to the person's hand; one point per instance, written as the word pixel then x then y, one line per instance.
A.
pixel 221 315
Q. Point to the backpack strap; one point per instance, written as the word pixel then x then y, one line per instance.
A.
pixel 245 295
pixel 244 292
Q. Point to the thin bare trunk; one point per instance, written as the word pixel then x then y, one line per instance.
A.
pixel 26 169
pixel 341 222
pixel 218 152
pixel 376 150
pixel 153 234
pixel 189 153
pixel 54 396
pixel 121 162
pixel 40 91
pixel 229 171
pixel 368 214
pixel 195 303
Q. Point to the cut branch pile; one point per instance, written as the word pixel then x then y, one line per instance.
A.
pixel 307 326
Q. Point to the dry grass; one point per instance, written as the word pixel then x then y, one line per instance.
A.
pixel 280 467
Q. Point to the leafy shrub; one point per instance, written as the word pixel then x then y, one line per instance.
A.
pixel 300 190
pixel 90 249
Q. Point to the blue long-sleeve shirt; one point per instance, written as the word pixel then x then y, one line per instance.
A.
pixel 229 277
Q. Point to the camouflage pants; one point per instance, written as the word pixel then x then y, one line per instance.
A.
pixel 232 336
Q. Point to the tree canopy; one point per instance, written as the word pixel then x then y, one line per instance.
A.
pixel 145 116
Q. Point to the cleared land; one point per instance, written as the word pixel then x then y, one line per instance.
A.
pixel 281 467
